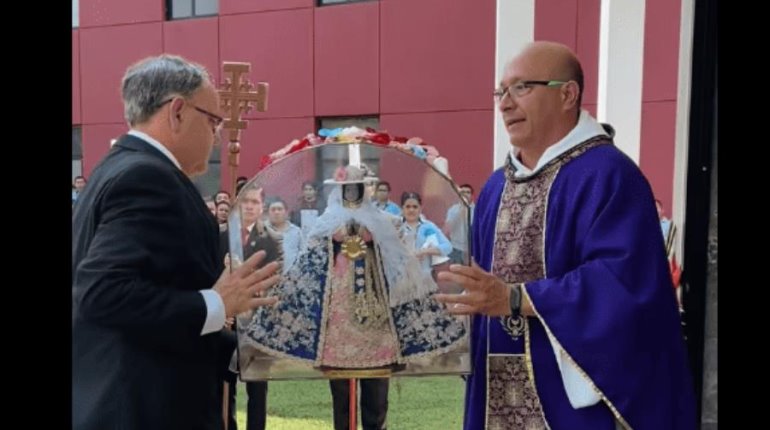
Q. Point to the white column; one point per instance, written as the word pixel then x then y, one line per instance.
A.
pixel 515 29
pixel 682 123
pixel 621 55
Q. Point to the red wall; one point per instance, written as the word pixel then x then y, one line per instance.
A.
pixel 659 96
pixel 425 66
pixel 347 59
pixel 95 13
pixel 195 39
pixel 76 77
pixel 96 142
pixel 437 55
pixel 228 7
pixel 264 136
pixel 469 131
pixel 576 24
pixel 105 53
pixel 279 46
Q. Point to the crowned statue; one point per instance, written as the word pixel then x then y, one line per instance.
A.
pixel 355 297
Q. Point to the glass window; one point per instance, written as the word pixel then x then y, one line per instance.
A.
pixel 331 2
pixel 75 13
pixel 206 7
pixel 77 153
pixel 181 9
pixel 209 183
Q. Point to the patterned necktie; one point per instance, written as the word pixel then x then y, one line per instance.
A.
pixel 244 236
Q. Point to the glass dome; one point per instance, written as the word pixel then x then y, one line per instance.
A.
pixel 361 227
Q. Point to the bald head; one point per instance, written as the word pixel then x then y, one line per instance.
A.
pixel 560 62
pixel 539 97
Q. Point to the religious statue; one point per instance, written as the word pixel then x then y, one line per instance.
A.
pixel 355 297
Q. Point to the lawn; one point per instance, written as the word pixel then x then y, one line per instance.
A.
pixel 414 403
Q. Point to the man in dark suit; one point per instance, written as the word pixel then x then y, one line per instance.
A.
pixel 149 302
pixel 254 238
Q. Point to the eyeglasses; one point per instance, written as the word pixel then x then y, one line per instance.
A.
pixel 522 88
pixel 215 120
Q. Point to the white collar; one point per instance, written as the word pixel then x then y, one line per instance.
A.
pixel 586 128
pixel 157 145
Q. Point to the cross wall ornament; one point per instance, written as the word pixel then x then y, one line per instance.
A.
pixel 237 96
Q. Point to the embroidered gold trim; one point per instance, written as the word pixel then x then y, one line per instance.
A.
pixel 512 405
pixel 354 247
pixel 389 315
pixel 325 303
pixel 368 306
pixel 607 401
pixel 513 326
pixel 531 369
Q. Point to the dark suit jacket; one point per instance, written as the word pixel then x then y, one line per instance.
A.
pixel 143 245
pixel 255 242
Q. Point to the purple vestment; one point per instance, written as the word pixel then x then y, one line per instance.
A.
pixel 603 290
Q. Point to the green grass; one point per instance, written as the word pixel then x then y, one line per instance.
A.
pixel 414 403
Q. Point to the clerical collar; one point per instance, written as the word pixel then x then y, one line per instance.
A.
pixel 157 145
pixel 586 128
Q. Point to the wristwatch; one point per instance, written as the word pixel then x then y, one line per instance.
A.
pixel 515 301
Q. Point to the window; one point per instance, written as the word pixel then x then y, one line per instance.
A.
pixel 327 162
pixel 77 153
pixel 209 183
pixel 331 2
pixel 75 13
pixel 180 9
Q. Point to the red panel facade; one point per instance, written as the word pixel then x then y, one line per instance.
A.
pixel 657 150
pixel 587 46
pixel 76 77
pixel 557 21
pixel 661 50
pixel 659 94
pixel 279 46
pixel 105 53
pixel 263 137
pixel 110 12
pixel 425 66
pixel 347 59
pixel 436 55
pixel 96 142
pixel 464 138
pixel 195 39
pixel 228 7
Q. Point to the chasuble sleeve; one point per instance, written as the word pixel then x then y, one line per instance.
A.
pixel 606 298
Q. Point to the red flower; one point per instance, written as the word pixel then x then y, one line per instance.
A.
pixel 265 161
pixel 379 138
pixel 340 174
pixel 304 143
